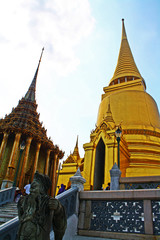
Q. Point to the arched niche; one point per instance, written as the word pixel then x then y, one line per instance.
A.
pixel 99 165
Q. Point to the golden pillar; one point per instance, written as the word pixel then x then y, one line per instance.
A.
pixel 89 149
pixel 110 157
pixel 47 161
pixel 11 165
pixel 36 160
pixel 25 158
pixel 55 159
pixel 3 146
pixel 57 172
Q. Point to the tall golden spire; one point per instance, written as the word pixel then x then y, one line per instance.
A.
pixel 126 69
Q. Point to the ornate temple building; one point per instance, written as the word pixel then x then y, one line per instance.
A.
pixel 22 125
pixel 124 103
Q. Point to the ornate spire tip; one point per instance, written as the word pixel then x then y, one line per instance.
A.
pixel 41 55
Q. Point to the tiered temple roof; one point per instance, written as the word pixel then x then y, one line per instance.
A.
pixel 25 119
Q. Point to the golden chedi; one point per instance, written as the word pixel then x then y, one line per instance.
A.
pixel 125 102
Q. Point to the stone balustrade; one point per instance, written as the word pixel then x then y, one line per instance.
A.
pixel 9 229
pixel 133 214
pixel 130 183
pixel 7 195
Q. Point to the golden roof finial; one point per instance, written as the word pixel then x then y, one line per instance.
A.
pixel 76 150
pixel 126 68
pixel 41 55
pixel 109 117
pixel 124 35
pixel 77 142
pixel 30 95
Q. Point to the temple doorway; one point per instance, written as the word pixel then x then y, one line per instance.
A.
pixel 99 166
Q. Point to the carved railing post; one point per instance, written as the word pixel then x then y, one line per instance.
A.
pixel 77 181
pixel 115 176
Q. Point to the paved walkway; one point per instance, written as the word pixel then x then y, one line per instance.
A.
pixel 91 238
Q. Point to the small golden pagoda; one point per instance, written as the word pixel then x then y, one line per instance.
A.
pixel 23 125
pixel 125 103
pixel 69 167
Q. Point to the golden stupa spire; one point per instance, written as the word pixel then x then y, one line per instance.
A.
pixel 126 69
pixel 109 117
pixel 76 151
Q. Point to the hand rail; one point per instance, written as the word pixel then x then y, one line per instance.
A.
pixel 68 200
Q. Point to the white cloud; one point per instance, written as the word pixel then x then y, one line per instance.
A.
pixel 58 25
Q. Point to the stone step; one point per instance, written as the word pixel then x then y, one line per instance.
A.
pixel 8 215
pixel 9 206
pixel 8 209
pixel 7 212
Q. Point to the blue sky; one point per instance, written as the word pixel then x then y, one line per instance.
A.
pixel 81 40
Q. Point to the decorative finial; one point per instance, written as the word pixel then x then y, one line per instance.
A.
pixel 41 55
pixel 122 19
pixel 77 141
pixel 109 107
pixel 30 95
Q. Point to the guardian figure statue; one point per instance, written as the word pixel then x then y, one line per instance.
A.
pixel 38 212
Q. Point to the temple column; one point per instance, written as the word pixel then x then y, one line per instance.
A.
pixel 89 161
pixel 47 162
pixel 2 151
pixel 11 165
pixel 36 160
pixel 110 153
pixel 3 145
pixel 25 159
pixel 54 174
pixel 57 173
pixel 8 180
